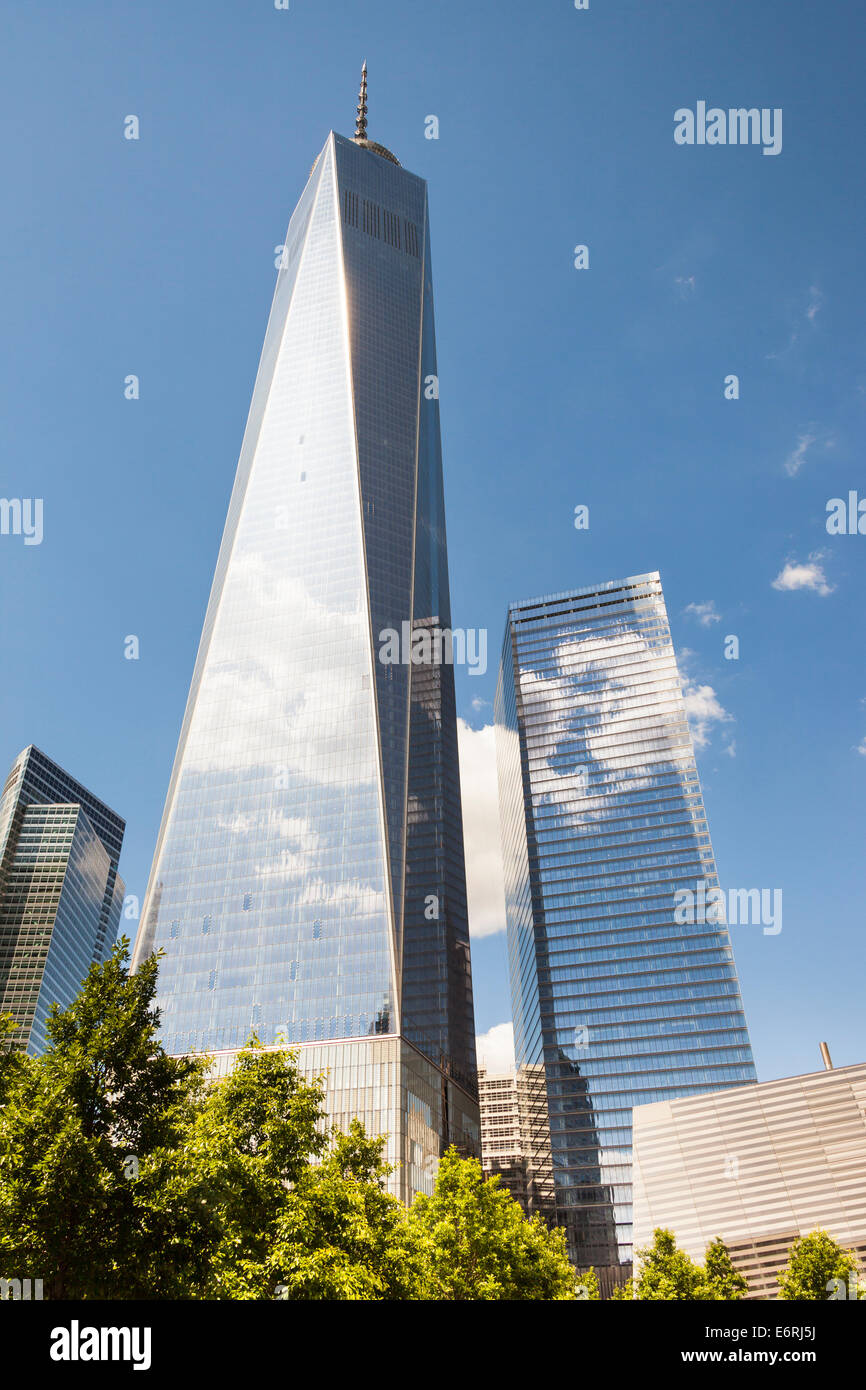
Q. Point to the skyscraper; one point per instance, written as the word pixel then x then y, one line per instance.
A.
pixel 603 822
pixel 515 1135
pixel 308 881
pixel 60 894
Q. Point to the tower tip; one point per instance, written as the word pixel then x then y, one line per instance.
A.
pixel 361 119
pixel 361 123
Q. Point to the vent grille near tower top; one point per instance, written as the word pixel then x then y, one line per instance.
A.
pixel 378 222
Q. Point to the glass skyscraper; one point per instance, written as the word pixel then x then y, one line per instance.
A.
pixel 603 822
pixel 308 882
pixel 60 894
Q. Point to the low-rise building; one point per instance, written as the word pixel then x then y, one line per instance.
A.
pixel 758 1166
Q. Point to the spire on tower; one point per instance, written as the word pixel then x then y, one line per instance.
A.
pixel 361 120
pixel 360 136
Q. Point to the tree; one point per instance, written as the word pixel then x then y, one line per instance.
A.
pixel 127 1173
pixel 123 1174
pixel 75 1125
pixel 814 1261
pixel 479 1245
pixel 213 1200
pixel 722 1281
pixel 587 1286
pixel 341 1236
pixel 12 1062
pixel 667 1274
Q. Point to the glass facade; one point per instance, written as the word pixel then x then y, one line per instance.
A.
pixel 308 881
pixel 394 1090
pixel 602 823
pixel 60 894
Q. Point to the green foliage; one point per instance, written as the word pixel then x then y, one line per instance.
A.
pixel 587 1286
pixel 12 1062
pixel 210 1202
pixel 127 1173
pixel 102 1092
pixel 813 1262
pixel 479 1245
pixel 722 1282
pixel 340 1235
pixel 667 1274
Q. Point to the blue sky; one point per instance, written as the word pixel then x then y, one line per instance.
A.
pixel 559 387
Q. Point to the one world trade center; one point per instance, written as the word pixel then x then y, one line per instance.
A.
pixel 308 882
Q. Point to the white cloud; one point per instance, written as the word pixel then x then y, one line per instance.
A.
pixel 861 748
pixel 805 576
pixel 495 1048
pixel 816 302
pixel 703 710
pixel 621 663
pixel 731 748
pixel 704 612
pixel 485 884
pixel 797 457
pixel 810 313
pixel 800 454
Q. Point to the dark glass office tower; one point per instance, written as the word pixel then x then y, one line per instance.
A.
pixel 308 881
pixel 603 822
pixel 60 894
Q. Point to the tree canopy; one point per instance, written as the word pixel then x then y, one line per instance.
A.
pixel 340 1235
pixel 818 1270
pixel 667 1274
pixel 479 1244
pixel 128 1173
pixel 75 1123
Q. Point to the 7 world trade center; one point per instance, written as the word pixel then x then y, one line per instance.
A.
pixel 619 997
pixel 308 882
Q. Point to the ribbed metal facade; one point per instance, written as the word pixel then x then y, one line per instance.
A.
pixel 758 1166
